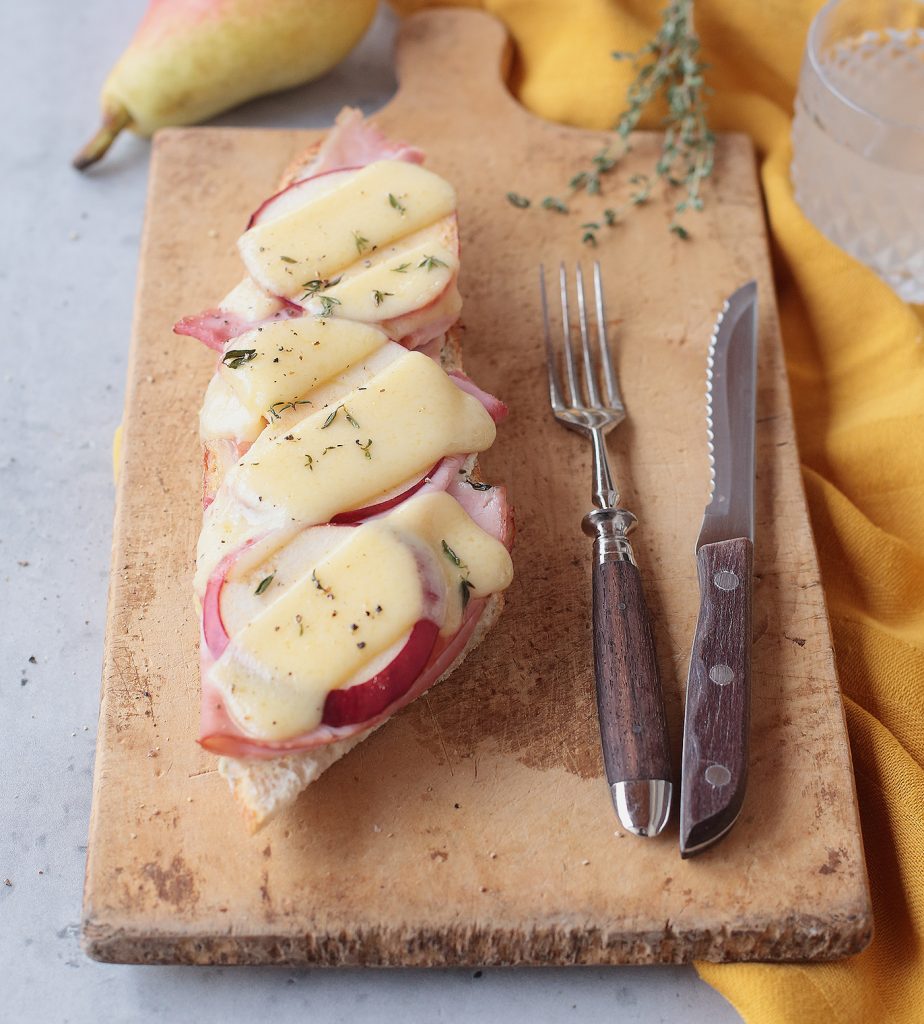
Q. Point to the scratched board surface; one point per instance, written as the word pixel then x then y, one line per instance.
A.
pixel 476 827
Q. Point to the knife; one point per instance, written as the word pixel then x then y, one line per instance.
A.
pixel 717 718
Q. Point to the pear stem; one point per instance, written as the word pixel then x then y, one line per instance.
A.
pixel 115 118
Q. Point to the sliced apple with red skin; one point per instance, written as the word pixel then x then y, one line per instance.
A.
pixel 298 194
pixel 401 493
pixel 214 634
pixel 281 562
pixel 363 701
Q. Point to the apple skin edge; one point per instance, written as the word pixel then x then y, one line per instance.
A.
pixel 364 701
pixel 266 207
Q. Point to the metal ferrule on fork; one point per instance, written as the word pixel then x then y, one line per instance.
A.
pixel 610 528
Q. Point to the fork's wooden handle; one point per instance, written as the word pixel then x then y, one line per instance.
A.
pixel 633 727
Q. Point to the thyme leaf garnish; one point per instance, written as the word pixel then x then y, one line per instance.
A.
pixel 327 306
pixel 238 356
pixel 264 583
pixel 288 259
pixel 451 555
pixel 318 284
pixel 515 199
pixel 362 244
pixel 331 417
pixel 365 447
pixel 309 463
pixel 402 269
pixel 350 420
pixel 395 204
pixel 429 262
pixel 276 410
pixel 320 586
pixel 379 297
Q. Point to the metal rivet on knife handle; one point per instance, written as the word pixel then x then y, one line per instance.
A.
pixel 721 675
pixel 726 580
pixel 718 775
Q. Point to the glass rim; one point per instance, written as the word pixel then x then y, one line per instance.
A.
pixel 812 50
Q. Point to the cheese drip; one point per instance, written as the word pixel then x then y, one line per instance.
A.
pixel 383 578
pixel 379 204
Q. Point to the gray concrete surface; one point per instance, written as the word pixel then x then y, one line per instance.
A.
pixel 67 271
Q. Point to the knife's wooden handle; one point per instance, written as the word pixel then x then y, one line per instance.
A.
pixel 633 728
pixel 718 702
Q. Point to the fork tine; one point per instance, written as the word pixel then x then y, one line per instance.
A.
pixel 590 375
pixel 575 396
pixel 609 374
pixel 554 379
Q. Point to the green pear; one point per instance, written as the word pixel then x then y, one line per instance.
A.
pixel 192 59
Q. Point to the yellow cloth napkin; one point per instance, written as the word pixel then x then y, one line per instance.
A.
pixel 856 367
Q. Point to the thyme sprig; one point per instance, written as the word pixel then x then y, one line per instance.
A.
pixel 668 66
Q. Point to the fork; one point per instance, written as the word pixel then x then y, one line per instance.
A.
pixel 633 729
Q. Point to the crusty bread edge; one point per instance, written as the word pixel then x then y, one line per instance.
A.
pixel 263 789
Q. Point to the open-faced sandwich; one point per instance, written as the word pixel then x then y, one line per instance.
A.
pixel 350 554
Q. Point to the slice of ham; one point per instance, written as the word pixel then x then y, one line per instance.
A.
pixel 216 327
pixel 354 142
pixel 495 408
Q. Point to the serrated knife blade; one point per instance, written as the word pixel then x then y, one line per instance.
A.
pixel 717 715
pixel 731 386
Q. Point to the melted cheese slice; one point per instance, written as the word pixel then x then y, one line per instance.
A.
pixel 345 456
pixel 352 221
pixel 291 358
pixel 359 601
pixel 398 279
pixel 297 640
pixel 469 559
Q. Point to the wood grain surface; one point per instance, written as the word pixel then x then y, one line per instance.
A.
pixel 633 729
pixel 476 826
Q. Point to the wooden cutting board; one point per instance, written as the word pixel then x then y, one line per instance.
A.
pixel 476 827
